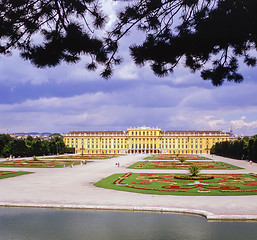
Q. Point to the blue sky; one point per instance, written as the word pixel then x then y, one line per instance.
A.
pixel 69 97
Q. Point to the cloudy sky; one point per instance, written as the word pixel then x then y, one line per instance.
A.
pixel 70 98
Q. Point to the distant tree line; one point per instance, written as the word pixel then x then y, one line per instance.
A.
pixel 243 148
pixel 32 146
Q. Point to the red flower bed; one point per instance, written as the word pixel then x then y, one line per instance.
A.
pixel 141 182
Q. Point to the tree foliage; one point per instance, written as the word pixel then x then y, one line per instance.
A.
pixel 194 170
pixel 32 146
pixel 245 148
pixel 50 32
pixel 210 36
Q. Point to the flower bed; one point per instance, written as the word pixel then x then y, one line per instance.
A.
pixel 200 177
pixel 85 156
pixel 176 157
pixel 39 163
pixel 7 174
pixel 205 165
pixel 221 184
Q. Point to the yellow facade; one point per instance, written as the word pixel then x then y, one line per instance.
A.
pixel 143 140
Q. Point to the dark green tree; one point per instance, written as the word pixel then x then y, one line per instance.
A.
pixel 19 148
pixel 4 140
pixel 245 148
pixel 37 147
pixel 66 27
pixel 209 36
pixel 56 144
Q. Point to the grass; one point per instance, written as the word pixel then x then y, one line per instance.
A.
pixel 38 163
pixel 8 174
pixel 166 184
pixel 205 165
pixel 176 157
pixel 85 157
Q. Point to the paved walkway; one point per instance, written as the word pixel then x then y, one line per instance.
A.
pixel 73 188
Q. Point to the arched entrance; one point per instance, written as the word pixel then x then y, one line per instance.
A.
pixel 143 151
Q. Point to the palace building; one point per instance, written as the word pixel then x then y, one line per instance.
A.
pixel 143 140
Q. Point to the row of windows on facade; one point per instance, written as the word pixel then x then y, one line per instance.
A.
pixel 163 140
pixel 120 151
pixel 142 146
pixel 144 133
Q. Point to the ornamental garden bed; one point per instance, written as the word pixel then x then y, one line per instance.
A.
pixel 205 165
pixel 7 174
pixel 84 157
pixel 167 184
pixel 176 157
pixel 39 163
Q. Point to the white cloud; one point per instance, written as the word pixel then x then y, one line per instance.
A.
pixel 191 108
pixel 241 123
pixel 128 71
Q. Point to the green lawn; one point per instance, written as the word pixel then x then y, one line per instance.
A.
pixel 166 184
pixel 176 157
pixel 84 157
pixel 38 163
pixel 205 165
pixel 7 174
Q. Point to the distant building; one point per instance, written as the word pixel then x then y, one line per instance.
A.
pixel 143 140
pixel 24 136
pixel 232 136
